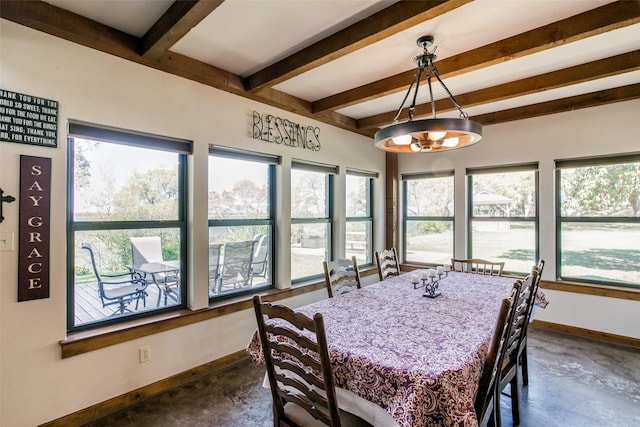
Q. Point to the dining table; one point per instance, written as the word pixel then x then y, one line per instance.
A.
pixel 401 358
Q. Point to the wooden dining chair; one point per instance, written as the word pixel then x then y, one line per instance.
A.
pixel 387 263
pixel 341 276
pixel 486 401
pixel 298 367
pixel 477 266
pixel 517 330
pixel 522 351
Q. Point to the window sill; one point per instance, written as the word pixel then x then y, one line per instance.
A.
pixel 85 341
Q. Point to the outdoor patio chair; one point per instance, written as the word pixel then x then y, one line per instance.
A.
pixel 145 250
pixel 117 289
pixel 260 263
pixel 214 267
pixel 341 276
pixel 148 250
pixel 387 263
pixel 236 265
pixel 477 266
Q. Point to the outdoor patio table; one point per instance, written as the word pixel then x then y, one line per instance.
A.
pixel 417 358
pixel 163 274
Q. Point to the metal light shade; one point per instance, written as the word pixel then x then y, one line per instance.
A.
pixel 466 131
pixel 432 134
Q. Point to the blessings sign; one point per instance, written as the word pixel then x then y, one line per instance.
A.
pixel 277 130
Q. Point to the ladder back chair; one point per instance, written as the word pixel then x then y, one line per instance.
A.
pixel 486 402
pixel 509 370
pixel 117 289
pixel 477 266
pixel 298 367
pixel 387 263
pixel 522 351
pixel 341 276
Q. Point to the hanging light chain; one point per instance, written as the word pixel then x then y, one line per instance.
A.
pixel 453 99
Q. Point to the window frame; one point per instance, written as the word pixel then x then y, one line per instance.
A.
pixel 561 164
pixel 331 172
pixel 272 161
pixel 111 135
pixel 405 178
pixel 368 218
pixel 521 167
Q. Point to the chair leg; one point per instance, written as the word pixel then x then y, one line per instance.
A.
pixel 497 418
pixel 515 400
pixel 525 368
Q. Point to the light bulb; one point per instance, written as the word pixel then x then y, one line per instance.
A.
pixel 451 142
pixel 434 136
pixel 402 140
pixel 415 147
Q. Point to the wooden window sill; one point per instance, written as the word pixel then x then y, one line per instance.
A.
pixel 85 341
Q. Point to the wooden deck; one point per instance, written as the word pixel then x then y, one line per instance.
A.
pixel 89 308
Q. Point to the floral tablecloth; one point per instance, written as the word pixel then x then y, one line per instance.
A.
pixel 418 358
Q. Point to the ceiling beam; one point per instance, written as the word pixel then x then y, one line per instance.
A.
pixel 383 24
pixel 58 22
pixel 593 99
pixel 69 26
pixel 174 24
pixel 597 21
pixel 619 64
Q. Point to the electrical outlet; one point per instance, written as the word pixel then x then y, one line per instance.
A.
pixel 145 354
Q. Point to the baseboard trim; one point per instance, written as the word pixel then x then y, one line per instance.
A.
pixel 109 406
pixel 587 333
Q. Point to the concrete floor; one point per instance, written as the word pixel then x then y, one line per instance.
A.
pixel 573 382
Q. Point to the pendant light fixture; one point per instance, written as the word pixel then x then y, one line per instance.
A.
pixel 432 134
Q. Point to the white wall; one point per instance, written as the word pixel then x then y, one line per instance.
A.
pixel 98 88
pixel 610 129
pixel 36 384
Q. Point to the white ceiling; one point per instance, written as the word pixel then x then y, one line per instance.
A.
pixel 242 37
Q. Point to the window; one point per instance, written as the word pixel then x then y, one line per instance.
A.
pixel 241 221
pixel 311 219
pixel 503 215
pixel 124 186
pixel 359 216
pixel 428 217
pixel 598 220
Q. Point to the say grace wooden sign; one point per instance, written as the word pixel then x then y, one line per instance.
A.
pixel 35 220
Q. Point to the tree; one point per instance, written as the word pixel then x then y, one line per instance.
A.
pixel 601 190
